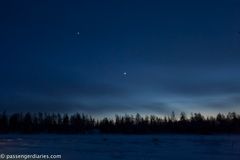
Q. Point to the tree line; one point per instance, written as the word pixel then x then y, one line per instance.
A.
pixel 127 124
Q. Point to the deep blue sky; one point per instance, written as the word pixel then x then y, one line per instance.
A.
pixel 70 56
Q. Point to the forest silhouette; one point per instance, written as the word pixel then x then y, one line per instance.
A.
pixel 128 124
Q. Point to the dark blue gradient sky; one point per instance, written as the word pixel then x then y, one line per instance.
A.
pixel 70 56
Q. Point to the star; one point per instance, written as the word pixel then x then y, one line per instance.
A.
pixel 124 73
pixel 78 33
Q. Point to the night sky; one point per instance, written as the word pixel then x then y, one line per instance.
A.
pixel 115 57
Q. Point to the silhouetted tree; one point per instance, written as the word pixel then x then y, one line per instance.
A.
pixel 80 123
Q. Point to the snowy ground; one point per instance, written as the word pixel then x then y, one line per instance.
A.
pixel 125 147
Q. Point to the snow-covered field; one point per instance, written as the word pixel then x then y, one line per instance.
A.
pixel 125 147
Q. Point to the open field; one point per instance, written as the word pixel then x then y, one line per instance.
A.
pixel 139 147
